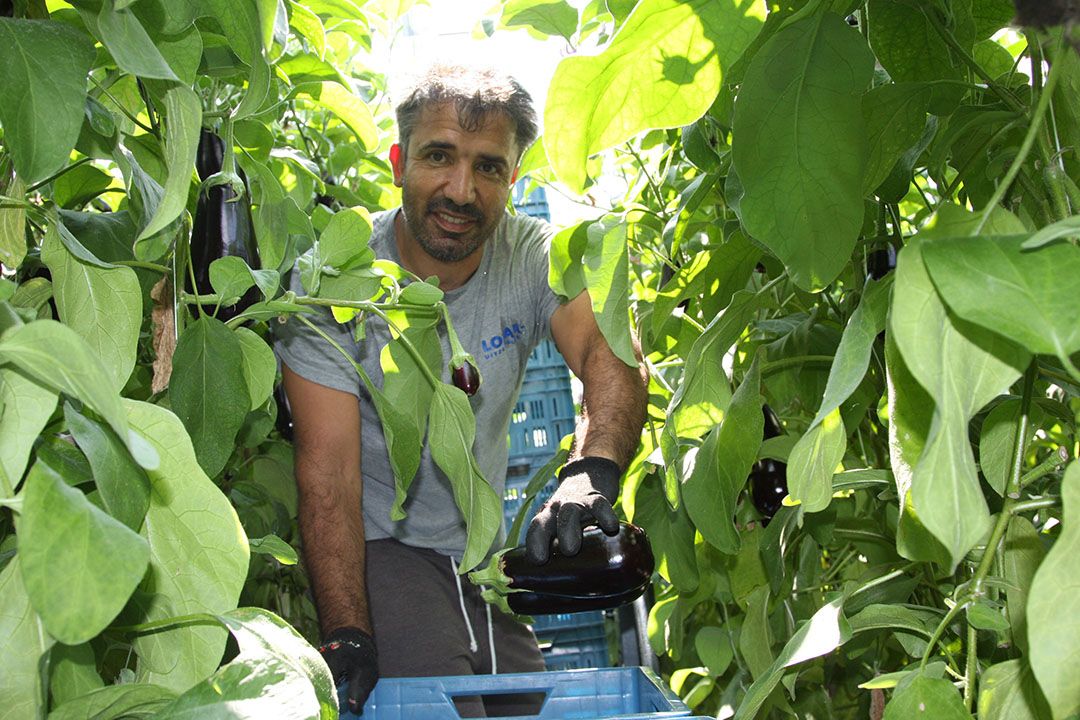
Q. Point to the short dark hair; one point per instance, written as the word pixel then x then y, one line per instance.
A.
pixel 476 92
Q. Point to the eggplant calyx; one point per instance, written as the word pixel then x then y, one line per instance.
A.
pixel 233 180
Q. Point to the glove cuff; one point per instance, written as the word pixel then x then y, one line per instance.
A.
pixel 352 637
pixel 604 474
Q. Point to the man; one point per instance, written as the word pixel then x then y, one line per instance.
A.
pixel 461 136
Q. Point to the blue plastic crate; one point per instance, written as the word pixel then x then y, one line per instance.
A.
pixel 630 693
pixel 514 496
pixel 544 413
pixel 565 621
pixel 545 355
pixel 581 655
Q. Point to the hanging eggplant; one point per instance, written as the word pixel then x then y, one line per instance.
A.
pixel 768 477
pixel 222 225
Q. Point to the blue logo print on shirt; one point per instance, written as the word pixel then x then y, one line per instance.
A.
pixel 497 344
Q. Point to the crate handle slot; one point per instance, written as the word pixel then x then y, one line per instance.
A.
pixel 510 703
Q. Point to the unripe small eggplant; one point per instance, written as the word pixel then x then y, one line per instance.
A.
pixel 606 572
pixel 466 378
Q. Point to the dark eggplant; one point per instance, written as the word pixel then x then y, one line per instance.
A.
pixel 605 570
pixel 283 423
pixel 532 603
pixel 768 477
pixel 222 226
pixel 880 262
pixel 466 378
pixel 7 8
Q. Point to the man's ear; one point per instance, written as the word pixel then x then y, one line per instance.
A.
pixel 513 178
pixel 397 163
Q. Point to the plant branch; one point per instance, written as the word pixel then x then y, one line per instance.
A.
pixel 1051 463
pixel 123 110
pixel 1029 140
pixel 957 48
pixel 648 178
pixel 142 264
pixel 57 174
pixel 972 667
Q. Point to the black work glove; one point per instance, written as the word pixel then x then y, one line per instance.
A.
pixel 351 656
pixel 587 488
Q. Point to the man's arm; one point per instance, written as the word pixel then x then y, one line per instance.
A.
pixel 327 445
pixel 615 395
pixel 613 410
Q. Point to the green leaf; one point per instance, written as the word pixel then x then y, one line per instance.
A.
pixel 241 22
pixel 276 674
pixel 207 390
pixel 755 638
pixel 198 556
pixel 827 630
pixel 72 672
pixel 722 465
pixel 668 56
pixel 349 108
pixel 671 534
pixel 257 91
pixel 565 273
pixel 344 241
pixel 997 441
pixel 64 538
pixel 983 616
pixel 230 277
pixel 1026 296
pixel 451 442
pixel 713 645
pixel 276 548
pixel 421 293
pixel 927 697
pixel 182 51
pixel 1055 596
pixel 895 116
pixel 44 65
pixel 25 408
pixel 183 113
pixel 122 484
pixel 102 302
pixel 22 694
pixel 607 267
pixel 80 185
pixel 1068 227
pixel 129 44
pixel 962 367
pixel 800 146
pixel 56 357
pixel 13 225
pixel 817 453
pixel 555 18
pixel 308 25
pixel 1023 553
pixel 135 700
pixel 1008 691
pixel 259 366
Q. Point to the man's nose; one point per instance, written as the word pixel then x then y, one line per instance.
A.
pixel 460 187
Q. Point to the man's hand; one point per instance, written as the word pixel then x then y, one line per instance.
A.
pixel 351 656
pixel 587 488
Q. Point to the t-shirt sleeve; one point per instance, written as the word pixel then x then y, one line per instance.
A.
pixel 535 249
pixel 310 356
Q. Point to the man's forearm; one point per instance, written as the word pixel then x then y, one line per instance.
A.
pixel 332 529
pixel 614 403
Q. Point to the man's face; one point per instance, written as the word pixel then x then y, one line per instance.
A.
pixel 454 184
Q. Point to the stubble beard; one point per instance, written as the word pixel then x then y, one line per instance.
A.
pixel 445 247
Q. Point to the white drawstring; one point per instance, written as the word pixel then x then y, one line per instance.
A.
pixel 473 645
pixel 491 639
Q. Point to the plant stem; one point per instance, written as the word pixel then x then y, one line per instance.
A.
pixel 57 174
pixel 940 630
pixel 784 363
pixel 142 264
pixel 1020 442
pixel 123 110
pixel 202 618
pixel 1029 139
pixel 1007 98
pixel 648 178
pixel 1052 462
pixel 1029 505
pixel 972 667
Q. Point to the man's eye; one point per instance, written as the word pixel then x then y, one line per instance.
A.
pixel 437 156
pixel 490 168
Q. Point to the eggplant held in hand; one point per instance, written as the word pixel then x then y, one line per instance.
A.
pixel 607 572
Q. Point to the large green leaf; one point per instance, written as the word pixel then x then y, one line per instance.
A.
pixel 349 108
pixel 72 672
pixel 565 274
pixel 22 634
pixel 241 22
pixel 997 441
pixel 122 484
pixel 962 367
pixel 663 69
pixel 671 534
pixel 927 697
pixel 451 444
pixel 207 390
pixel 101 302
pixel 722 465
pixel 276 674
pixel 64 538
pixel 1023 553
pixel 607 267
pixel 818 452
pixel 198 556
pixel 799 146
pixel 259 366
pixel 344 240
pixel 183 120
pixel 827 630
pixel 134 700
pixel 1008 691
pixel 1027 296
pixel 55 356
pixel 12 224
pixel 1053 600
pixel 129 44
pixel 25 408
pixel 895 117
pixel 554 18
pixel 43 78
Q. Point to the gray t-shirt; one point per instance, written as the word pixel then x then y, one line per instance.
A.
pixel 500 315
